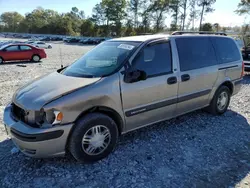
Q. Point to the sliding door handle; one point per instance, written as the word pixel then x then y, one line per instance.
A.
pixel 185 77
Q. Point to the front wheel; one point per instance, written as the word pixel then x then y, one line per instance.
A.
pixel 94 137
pixel 1 60
pixel 220 102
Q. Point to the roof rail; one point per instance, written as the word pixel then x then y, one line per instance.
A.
pixel 198 32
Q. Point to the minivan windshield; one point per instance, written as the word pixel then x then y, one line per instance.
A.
pixel 102 60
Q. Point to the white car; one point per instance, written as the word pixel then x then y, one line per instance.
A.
pixel 41 44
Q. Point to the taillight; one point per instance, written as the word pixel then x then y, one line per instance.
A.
pixel 242 70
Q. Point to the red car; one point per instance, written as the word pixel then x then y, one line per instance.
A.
pixel 14 52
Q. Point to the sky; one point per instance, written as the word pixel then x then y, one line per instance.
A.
pixel 223 14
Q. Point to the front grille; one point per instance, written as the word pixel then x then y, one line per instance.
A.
pixel 18 113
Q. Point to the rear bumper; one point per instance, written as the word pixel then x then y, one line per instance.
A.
pixel 36 142
pixel 237 86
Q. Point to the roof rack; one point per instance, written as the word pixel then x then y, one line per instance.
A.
pixel 198 32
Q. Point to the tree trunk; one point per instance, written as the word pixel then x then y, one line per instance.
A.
pixel 184 15
pixel 202 12
pixel 176 16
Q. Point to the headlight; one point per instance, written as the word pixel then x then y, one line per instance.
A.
pixel 53 117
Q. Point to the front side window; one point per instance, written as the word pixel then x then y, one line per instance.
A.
pixel 24 48
pixel 154 59
pixel 12 49
pixel 226 49
pixel 102 60
pixel 195 53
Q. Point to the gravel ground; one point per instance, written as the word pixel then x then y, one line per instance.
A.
pixel 195 150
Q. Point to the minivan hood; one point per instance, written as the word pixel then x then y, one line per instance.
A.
pixel 36 94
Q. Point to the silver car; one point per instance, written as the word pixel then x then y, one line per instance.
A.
pixel 121 85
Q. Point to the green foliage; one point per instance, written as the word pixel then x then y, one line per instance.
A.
pixel 206 6
pixel 11 20
pixel 113 18
pixel 87 28
pixel 207 27
pixel 243 7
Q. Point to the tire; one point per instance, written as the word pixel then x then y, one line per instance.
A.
pixel 214 107
pixel 84 126
pixel 49 47
pixel 1 60
pixel 36 58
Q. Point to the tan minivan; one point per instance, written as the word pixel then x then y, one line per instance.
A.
pixel 122 85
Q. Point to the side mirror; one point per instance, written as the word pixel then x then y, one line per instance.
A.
pixel 134 76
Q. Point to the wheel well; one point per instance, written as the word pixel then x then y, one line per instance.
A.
pixel 35 54
pixel 229 85
pixel 107 111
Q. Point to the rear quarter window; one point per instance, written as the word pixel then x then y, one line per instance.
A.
pixel 226 49
pixel 195 53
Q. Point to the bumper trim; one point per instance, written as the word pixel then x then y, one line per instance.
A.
pixel 36 137
pixel 238 82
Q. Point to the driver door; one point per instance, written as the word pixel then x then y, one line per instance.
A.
pixel 154 99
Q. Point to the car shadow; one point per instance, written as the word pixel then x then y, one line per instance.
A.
pixel 194 150
pixel 19 62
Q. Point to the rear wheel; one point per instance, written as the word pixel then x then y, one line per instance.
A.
pixel 220 102
pixel 36 58
pixel 94 137
pixel 1 60
pixel 49 46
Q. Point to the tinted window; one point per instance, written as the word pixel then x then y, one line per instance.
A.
pixel 155 59
pixel 12 48
pixel 25 48
pixel 195 53
pixel 226 49
pixel 40 43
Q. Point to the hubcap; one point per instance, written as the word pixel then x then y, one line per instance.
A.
pixel 36 58
pixel 222 101
pixel 96 140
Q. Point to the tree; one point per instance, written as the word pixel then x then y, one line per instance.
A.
pixel 184 6
pixel 207 27
pixel 193 15
pixel 134 6
pixel 174 6
pixel 157 9
pixel 87 28
pixel 114 12
pixel 217 27
pixel 243 7
pixel 11 20
pixel 206 8
pixel 98 15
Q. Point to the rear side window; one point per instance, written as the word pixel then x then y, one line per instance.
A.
pixel 155 59
pixel 24 48
pixel 195 53
pixel 226 49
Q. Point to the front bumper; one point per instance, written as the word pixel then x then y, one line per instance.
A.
pixel 247 68
pixel 36 142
